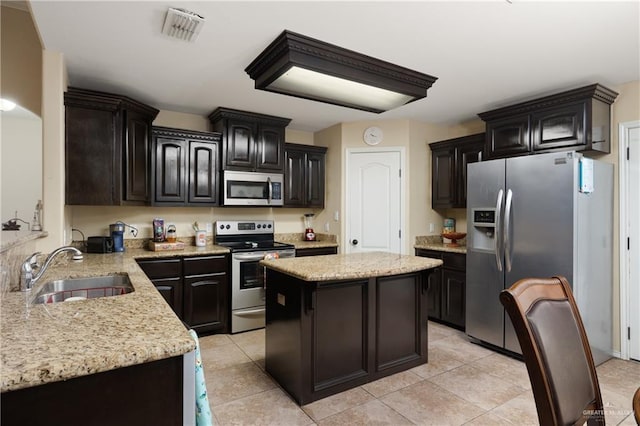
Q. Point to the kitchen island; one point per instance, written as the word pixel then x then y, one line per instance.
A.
pixel 338 321
pixel 109 360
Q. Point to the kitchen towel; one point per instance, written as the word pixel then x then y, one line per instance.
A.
pixel 203 411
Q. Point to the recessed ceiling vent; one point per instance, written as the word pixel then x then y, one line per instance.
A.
pixel 182 24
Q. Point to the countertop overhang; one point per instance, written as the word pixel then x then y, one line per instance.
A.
pixel 441 247
pixel 47 343
pixel 350 266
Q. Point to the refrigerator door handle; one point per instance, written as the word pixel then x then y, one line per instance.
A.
pixel 507 231
pixel 498 237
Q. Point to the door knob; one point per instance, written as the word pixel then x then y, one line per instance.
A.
pixel 354 242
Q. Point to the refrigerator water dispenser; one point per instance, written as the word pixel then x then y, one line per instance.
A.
pixel 484 229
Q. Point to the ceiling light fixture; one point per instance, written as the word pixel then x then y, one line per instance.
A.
pixel 297 65
pixel 6 105
pixel 182 24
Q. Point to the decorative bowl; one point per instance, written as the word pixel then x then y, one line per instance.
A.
pixel 453 236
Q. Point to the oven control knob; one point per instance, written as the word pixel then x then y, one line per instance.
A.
pixel 269 226
pixel 259 226
pixel 228 226
pixel 221 226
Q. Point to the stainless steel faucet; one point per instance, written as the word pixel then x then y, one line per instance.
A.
pixel 28 274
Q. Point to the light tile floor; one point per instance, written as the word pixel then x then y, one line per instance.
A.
pixel 463 383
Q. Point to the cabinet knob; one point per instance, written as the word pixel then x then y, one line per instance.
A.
pixel 354 242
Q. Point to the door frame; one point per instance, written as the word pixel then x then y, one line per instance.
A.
pixel 623 177
pixel 403 177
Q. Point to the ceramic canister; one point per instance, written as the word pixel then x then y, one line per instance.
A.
pixel 449 225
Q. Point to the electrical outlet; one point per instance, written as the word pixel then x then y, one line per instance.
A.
pixel 326 227
pixel 132 231
pixel 432 227
pixel 209 227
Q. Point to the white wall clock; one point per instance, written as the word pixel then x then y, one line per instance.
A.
pixel 373 135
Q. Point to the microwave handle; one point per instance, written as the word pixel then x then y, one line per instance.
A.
pixel 270 190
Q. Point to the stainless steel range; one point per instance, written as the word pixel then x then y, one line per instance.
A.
pixel 249 241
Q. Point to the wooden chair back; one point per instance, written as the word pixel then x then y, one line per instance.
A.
pixel 636 405
pixel 556 351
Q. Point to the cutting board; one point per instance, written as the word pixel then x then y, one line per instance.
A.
pixel 165 246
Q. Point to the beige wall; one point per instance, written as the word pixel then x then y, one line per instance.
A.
pixel 21 59
pixel 56 216
pixel 181 120
pixel 331 138
pixel 20 150
pixel 299 136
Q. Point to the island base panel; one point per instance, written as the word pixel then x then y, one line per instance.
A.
pixel 327 337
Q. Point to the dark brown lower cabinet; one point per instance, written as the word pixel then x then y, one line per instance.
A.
pixel 206 305
pixel 453 297
pixel 447 286
pixel 144 394
pixel 316 251
pixel 196 288
pixel 325 337
pixel 166 276
pixel 434 293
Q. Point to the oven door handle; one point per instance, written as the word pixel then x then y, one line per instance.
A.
pixel 249 312
pixel 248 256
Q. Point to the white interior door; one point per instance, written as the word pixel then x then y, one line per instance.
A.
pixel 373 203
pixel 633 252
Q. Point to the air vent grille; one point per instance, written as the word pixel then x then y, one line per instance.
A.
pixel 182 24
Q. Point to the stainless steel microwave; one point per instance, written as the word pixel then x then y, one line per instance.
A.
pixel 252 189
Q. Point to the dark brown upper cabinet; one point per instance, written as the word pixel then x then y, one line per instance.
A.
pixel 578 119
pixel 304 175
pixel 107 149
pixel 449 161
pixel 185 167
pixel 250 141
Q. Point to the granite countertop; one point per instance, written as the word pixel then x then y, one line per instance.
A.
pixel 297 239
pixel 10 239
pixel 350 266
pixel 312 244
pixel 139 253
pixel 434 242
pixel 60 341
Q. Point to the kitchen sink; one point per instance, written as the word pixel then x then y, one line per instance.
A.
pixel 83 288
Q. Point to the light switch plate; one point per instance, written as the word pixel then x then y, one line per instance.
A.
pixel 209 227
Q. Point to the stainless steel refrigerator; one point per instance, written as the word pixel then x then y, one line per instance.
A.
pixel 539 216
